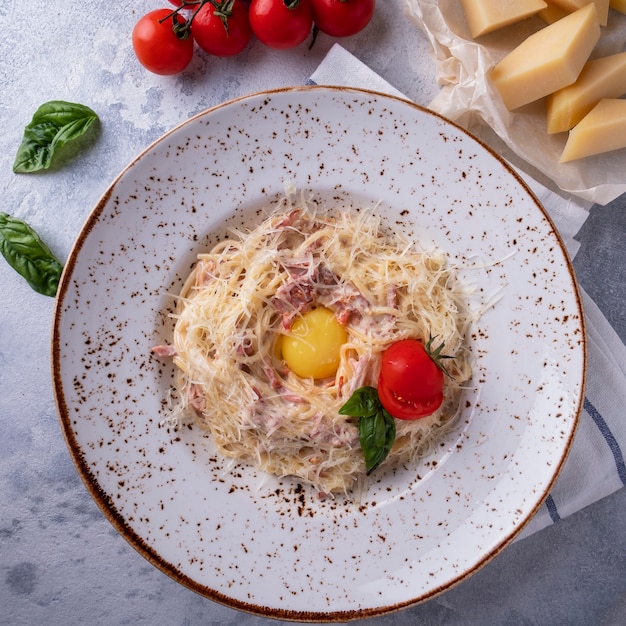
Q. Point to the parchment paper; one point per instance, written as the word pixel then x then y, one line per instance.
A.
pixel 468 98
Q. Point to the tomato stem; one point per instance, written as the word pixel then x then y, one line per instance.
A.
pixel 435 354
pixel 223 10
pixel 181 28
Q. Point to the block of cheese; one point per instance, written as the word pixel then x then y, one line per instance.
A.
pixel 618 5
pixel 573 5
pixel 547 60
pixel 603 129
pixel 485 16
pixel 552 13
pixel 600 78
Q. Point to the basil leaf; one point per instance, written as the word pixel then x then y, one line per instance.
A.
pixel 362 403
pixel 54 124
pixel 377 427
pixel 29 256
pixel 376 436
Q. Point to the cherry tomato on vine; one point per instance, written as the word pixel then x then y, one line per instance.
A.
pixel 281 24
pixel 342 18
pixel 410 384
pixel 160 43
pixel 222 29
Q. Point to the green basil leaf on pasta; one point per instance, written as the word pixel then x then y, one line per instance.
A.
pixel 377 428
pixel 362 403
pixel 376 436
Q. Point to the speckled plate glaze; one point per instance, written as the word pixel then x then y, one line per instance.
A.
pixel 270 546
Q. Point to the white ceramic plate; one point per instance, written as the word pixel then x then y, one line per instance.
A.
pixel 268 546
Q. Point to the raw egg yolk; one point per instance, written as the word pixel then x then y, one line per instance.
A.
pixel 312 349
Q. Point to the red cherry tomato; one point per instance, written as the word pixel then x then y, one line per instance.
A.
pixel 410 384
pixel 281 24
pixel 342 18
pixel 222 31
pixel 158 47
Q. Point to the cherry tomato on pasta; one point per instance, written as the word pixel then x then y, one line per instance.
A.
pixel 410 384
pixel 342 18
pixel 222 30
pixel 281 24
pixel 160 43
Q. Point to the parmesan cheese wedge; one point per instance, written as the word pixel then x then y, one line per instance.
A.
pixel 547 60
pixel 485 16
pixel 603 129
pixel 600 78
pixel 618 5
pixel 602 7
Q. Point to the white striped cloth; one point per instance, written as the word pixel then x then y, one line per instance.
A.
pixel 595 466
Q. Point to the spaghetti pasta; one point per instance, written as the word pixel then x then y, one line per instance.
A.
pixel 243 296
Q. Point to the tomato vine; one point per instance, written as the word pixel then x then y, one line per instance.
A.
pixel 164 40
